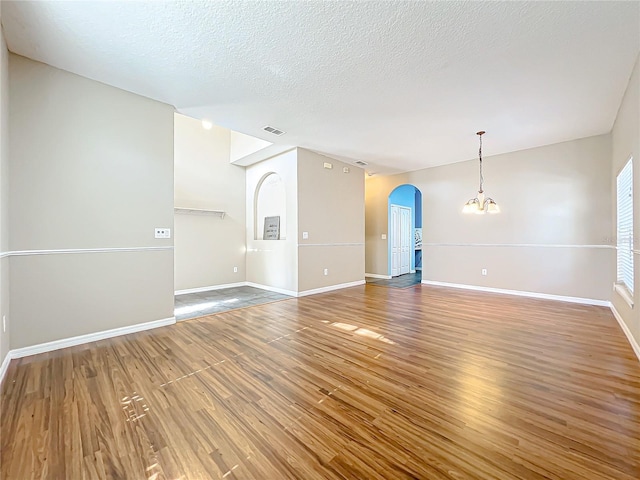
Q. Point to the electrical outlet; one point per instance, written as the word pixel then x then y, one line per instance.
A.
pixel 484 272
pixel 235 269
pixel 326 271
pixel 163 233
pixel 305 235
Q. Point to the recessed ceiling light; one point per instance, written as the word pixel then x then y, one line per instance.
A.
pixel 207 125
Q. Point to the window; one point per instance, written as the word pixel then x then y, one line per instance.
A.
pixel 624 222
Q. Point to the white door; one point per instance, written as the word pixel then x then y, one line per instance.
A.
pixel 400 240
pixel 405 240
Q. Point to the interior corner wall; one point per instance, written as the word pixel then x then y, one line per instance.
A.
pixel 242 145
pixel 376 194
pixel 207 247
pixel 331 211
pixel 91 176
pixel 273 263
pixel 552 236
pixel 4 198
pixel 625 144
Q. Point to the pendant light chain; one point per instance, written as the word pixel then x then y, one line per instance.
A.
pixel 480 156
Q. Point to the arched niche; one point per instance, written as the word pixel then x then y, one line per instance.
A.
pixel 270 201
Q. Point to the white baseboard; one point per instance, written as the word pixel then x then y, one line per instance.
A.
pixel 90 337
pixel 282 291
pixel 521 293
pixel 627 332
pixel 304 293
pixel 330 288
pixel 272 289
pixel 5 365
pixel 210 288
pixel 375 275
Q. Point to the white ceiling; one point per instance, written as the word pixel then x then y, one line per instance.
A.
pixel 400 85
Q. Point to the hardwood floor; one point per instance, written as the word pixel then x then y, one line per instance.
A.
pixel 363 383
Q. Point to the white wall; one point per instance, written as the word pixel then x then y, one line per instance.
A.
pixel 552 237
pixel 626 143
pixel 207 248
pixel 91 168
pixel 4 196
pixel 274 263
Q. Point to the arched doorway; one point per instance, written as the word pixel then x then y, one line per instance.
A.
pixel 405 230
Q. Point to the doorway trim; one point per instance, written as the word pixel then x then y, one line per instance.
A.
pixel 400 239
pixel 408 196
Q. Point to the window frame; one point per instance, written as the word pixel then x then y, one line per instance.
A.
pixel 625 265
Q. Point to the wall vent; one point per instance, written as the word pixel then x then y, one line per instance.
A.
pixel 361 163
pixel 275 131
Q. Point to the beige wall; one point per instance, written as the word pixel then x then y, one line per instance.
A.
pixel 274 263
pixel 626 143
pixel 91 168
pixel 552 237
pixel 377 191
pixel 61 296
pixel 331 211
pixel 4 196
pixel 207 247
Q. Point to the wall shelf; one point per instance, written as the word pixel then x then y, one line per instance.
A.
pixel 199 211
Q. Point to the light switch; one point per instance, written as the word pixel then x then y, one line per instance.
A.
pixel 305 235
pixel 383 236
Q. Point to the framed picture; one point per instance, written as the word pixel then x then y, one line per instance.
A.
pixel 417 239
pixel 271 228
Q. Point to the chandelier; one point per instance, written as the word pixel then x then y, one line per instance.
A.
pixel 481 204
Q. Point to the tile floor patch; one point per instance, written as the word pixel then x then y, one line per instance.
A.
pixel 402 281
pixel 192 305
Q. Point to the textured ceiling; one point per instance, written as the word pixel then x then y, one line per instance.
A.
pixel 400 85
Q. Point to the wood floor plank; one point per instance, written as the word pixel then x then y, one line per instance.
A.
pixel 367 382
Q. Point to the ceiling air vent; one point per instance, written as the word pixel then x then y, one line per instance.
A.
pixel 275 131
pixel 361 163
